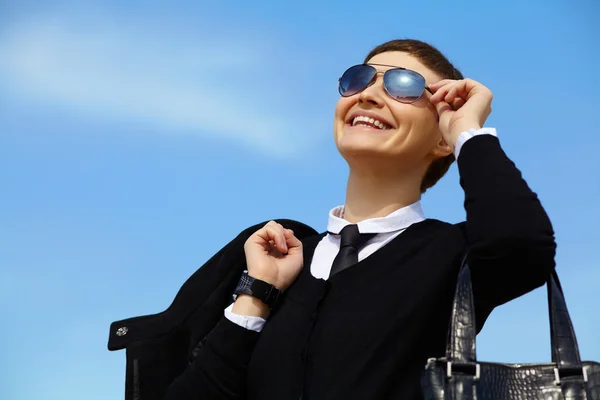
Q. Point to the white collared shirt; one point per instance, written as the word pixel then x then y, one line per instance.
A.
pixel 386 228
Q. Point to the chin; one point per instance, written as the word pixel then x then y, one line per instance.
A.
pixel 358 147
pixel 358 140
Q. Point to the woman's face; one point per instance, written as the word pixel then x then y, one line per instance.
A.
pixel 413 135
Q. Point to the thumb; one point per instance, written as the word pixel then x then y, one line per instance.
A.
pixel 442 107
pixel 445 112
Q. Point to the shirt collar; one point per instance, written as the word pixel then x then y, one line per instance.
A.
pixel 395 221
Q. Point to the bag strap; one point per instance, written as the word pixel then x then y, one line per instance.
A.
pixel 462 333
pixel 461 344
pixel 565 350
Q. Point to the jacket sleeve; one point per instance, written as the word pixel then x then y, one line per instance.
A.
pixel 219 370
pixel 510 239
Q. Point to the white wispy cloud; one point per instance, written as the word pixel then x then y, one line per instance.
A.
pixel 175 82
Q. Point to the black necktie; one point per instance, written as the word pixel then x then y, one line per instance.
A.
pixel 351 241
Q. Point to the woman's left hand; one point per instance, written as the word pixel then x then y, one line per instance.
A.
pixel 461 105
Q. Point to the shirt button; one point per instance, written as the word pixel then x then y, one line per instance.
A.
pixel 122 331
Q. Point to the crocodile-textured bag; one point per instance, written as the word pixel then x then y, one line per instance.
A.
pixel 460 376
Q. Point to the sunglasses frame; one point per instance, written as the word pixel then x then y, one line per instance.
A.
pixel 373 80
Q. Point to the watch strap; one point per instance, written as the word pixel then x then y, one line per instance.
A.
pixel 262 290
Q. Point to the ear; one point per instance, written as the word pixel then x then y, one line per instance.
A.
pixel 441 149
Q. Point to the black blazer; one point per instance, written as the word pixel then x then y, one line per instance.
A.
pixel 511 249
pixel 160 346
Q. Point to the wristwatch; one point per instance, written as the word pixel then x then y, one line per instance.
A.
pixel 262 290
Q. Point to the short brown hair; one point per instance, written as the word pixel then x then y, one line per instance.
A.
pixel 433 59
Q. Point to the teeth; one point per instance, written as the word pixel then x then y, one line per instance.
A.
pixel 371 121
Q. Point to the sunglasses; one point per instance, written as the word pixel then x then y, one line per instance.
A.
pixel 400 84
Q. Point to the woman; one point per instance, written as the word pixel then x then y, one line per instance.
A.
pixel 360 322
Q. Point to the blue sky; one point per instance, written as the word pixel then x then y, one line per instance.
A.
pixel 137 138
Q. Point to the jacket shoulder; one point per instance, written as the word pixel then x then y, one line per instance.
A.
pixel 301 230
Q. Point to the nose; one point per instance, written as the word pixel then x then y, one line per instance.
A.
pixel 373 94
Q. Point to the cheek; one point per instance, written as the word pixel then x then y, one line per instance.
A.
pixel 342 107
pixel 417 125
pixel 426 128
pixel 341 110
pixel 415 116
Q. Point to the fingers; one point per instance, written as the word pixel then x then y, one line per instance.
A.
pixel 457 103
pixel 435 86
pixel 440 90
pixel 455 92
pixel 274 235
pixel 449 91
pixel 292 241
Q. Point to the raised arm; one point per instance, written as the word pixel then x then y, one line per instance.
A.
pixel 219 371
pixel 509 236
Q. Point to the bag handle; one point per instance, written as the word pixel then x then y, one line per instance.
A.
pixel 565 350
pixel 461 347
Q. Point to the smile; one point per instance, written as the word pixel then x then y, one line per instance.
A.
pixel 369 123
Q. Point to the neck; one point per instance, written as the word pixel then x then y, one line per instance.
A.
pixel 372 193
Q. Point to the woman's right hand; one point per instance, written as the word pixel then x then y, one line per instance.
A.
pixel 274 255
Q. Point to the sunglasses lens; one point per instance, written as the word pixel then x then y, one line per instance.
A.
pixel 356 79
pixel 404 85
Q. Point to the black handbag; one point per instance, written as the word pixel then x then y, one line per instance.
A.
pixel 460 376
